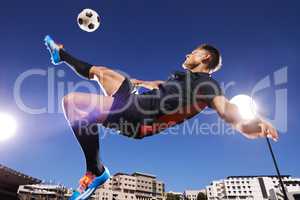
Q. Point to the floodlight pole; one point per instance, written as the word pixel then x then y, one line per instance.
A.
pixel 277 169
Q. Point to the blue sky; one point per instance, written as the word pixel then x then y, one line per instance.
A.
pixel 148 40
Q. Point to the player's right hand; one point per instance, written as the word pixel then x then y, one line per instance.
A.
pixel 260 128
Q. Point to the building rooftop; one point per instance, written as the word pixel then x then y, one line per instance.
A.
pixel 271 176
pixel 121 174
pixel 41 189
pixel 143 174
pixel 135 174
pixel 11 177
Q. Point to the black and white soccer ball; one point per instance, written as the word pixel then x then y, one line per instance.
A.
pixel 88 20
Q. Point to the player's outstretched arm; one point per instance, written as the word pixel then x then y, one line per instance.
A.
pixel 252 129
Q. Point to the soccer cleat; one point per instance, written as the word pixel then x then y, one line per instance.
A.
pixel 88 185
pixel 53 48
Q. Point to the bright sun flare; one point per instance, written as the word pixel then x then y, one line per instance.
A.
pixel 8 126
pixel 246 105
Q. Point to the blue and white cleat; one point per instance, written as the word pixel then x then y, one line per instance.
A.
pixel 88 184
pixel 53 48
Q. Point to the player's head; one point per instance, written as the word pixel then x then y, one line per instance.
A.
pixel 205 56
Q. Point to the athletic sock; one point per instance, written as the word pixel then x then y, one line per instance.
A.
pixel 88 138
pixel 82 68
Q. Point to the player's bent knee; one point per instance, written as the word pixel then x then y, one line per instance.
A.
pixel 68 100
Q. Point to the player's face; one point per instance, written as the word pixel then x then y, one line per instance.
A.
pixel 195 58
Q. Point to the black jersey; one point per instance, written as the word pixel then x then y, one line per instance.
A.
pixel 182 89
pixel 181 97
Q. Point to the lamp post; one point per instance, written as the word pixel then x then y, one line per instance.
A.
pixel 277 169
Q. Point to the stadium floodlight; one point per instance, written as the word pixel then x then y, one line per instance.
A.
pixel 8 126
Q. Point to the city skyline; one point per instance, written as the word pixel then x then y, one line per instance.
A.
pixel 135 173
pixel 141 186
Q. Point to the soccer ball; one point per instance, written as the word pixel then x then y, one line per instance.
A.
pixel 88 20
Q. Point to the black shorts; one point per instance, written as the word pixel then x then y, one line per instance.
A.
pixel 124 114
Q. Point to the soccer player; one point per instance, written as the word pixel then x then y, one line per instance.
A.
pixel 165 104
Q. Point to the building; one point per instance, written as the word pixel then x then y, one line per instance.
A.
pixel 10 180
pixel 136 186
pixel 292 188
pixel 252 188
pixel 43 192
pixel 180 195
pixel 192 194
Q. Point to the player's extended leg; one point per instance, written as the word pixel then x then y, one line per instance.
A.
pixel 83 111
pixel 109 80
pixel 59 56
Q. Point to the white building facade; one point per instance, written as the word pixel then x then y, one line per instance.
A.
pixel 137 186
pixel 178 194
pixel 253 188
pixel 192 194
pixel 43 192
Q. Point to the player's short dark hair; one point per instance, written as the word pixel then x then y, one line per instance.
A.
pixel 216 61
